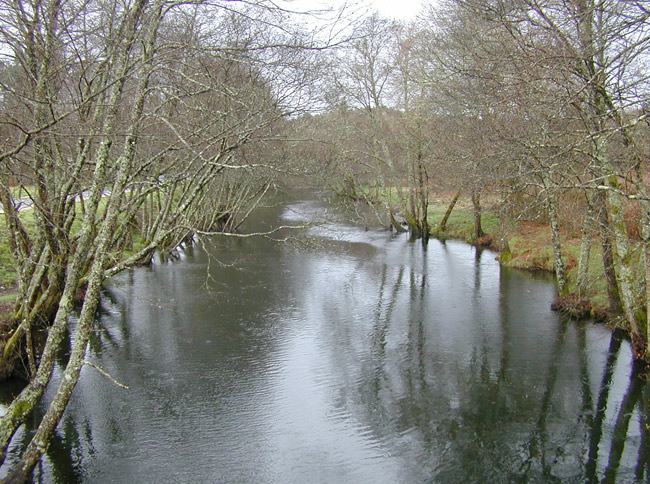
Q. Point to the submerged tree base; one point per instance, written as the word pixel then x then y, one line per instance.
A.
pixel 573 306
pixel 579 308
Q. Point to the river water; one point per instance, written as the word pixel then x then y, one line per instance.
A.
pixel 345 355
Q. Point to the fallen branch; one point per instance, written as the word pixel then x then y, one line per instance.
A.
pixel 106 374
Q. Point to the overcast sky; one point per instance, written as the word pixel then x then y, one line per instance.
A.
pixel 397 9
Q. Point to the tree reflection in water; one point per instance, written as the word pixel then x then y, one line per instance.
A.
pixel 417 363
pixel 478 416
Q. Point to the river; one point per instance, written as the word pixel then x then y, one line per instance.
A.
pixel 345 355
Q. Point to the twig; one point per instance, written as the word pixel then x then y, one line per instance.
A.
pixel 106 374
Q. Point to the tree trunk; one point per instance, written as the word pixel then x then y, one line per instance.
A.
pixel 476 204
pixel 423 191
pixel 608 253
pixel 624 274
pixel 23 404
pixel 556 242
pixel 599 111
pixel 645 258
pixel 40 440
pixel 32 455
pixel 442 226
pixel 645 241
pixel 588 227
pixel 610 273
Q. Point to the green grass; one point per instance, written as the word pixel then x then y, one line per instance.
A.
pixel 530 248
pixel 18 192
pixel 460 224
pixel 8 275
pixel 137 244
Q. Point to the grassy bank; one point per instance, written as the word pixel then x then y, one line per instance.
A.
pixel 8 276
pixel 526 245
pixel 460 224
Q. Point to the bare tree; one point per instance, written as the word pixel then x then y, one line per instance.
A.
pixel 569 91
pixel 152 120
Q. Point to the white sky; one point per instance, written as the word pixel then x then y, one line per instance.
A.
pixel 397 9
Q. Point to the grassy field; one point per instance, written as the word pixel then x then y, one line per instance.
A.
pixel 7 273
pixel 460 224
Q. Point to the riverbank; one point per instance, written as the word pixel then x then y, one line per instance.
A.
pixel 522 245
pixel 8 278
pixel 526 245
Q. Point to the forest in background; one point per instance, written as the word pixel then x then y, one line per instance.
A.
pixel 131 128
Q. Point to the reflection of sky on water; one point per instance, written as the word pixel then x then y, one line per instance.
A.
pixel 368 359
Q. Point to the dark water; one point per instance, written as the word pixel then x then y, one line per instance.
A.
pixel 352 356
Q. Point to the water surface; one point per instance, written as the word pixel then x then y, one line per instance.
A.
pixel 349 355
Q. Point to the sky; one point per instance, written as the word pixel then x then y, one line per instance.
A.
pixel 397 9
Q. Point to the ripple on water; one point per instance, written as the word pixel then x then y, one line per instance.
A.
pixel 368 359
